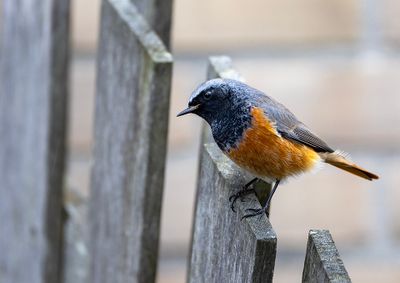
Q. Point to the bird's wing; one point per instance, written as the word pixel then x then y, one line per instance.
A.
pixel 289 127
pixel 303 135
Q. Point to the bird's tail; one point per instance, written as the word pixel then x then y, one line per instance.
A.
pixel 338 160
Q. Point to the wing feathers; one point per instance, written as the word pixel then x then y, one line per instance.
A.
pixel 288 126
pixel 304 136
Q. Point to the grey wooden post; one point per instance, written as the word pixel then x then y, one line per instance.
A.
pixel 131 120
pixel 322 262
pixel 33 97
pixel 225 249
pixel 158 14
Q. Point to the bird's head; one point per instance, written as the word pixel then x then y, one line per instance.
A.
pixel 214 98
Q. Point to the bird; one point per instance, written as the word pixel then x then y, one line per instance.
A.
pixel 262 136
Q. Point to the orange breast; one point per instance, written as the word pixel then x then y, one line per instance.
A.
pixel 265 153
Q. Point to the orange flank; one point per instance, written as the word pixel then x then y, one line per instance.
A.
pixel 263 152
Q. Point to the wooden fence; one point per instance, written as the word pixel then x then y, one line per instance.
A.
pixel 119 225
pixel 131 122
pixel 33 104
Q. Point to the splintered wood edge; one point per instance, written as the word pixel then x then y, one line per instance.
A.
pixel 233 175
pixel 142 31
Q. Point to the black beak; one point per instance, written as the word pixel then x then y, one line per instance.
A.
pixel 188 110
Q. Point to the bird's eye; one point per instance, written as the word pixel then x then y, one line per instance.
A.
pixel 207 95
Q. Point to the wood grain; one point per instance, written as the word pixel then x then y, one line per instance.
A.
pixel 224 248
pixel 322 262
pixel 131 122
pixel 34 56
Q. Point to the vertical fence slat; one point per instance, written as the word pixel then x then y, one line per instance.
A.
pixel 322 262
pixel 33 97
pixel 225 249
pixel 133 85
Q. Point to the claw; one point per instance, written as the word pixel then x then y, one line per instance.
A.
pixel 266 206
pixel 233 198
pixel 233 207
pixel 254 211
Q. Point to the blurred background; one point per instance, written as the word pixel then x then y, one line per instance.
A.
pixel 335 64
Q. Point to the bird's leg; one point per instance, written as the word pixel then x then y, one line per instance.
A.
pixel 264 209
pixel 243 192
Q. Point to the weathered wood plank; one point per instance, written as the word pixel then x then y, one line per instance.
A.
pixel 158 13
pixel 322 262
pixel 133 85
pixel 225 249
pixel 33 97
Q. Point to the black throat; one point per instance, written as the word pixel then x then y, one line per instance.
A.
pixel 229 126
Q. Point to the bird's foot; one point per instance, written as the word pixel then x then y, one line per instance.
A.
pixel 254 212
pixel 240 194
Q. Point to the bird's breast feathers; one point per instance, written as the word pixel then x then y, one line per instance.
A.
pixel 265 153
